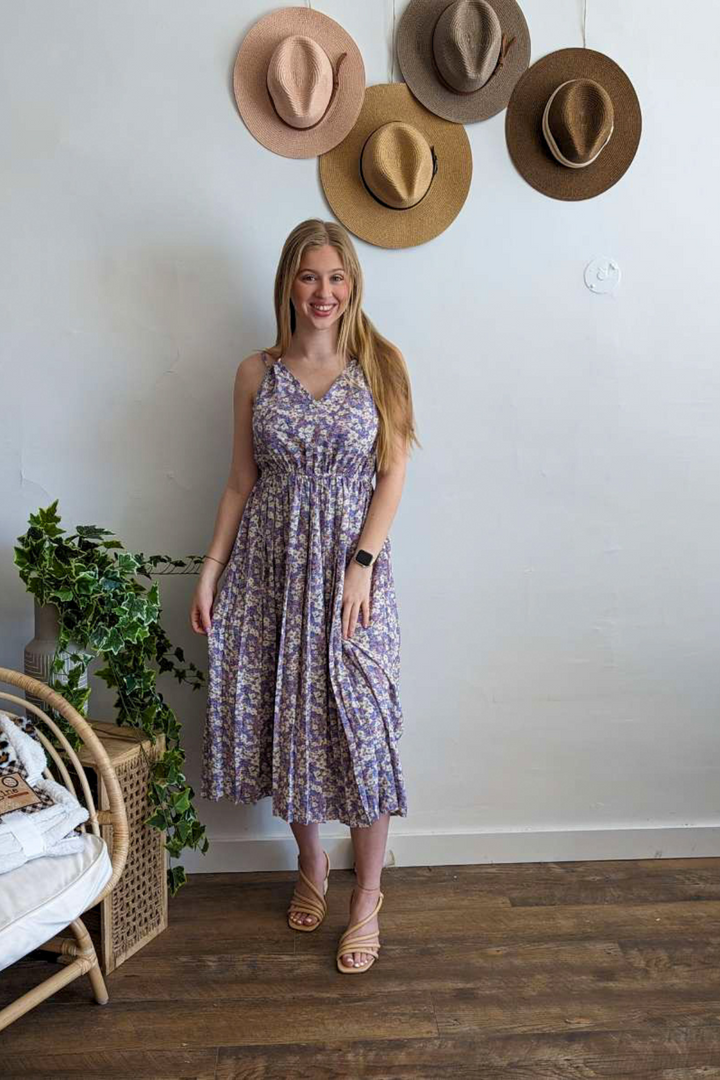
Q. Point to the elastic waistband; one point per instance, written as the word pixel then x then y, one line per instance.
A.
pixel 300 474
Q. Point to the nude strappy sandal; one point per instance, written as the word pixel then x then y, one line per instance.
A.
pixel 367 943
pixel 310 905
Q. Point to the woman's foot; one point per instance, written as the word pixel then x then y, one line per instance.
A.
pixel 315 868
pixel 362 902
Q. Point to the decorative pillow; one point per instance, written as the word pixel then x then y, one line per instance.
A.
pixel 37 816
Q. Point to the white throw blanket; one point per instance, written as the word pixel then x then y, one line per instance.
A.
pixel 32 831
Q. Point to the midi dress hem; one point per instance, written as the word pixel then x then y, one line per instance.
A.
pixel 332 813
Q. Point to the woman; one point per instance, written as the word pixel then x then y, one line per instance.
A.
pixel 304 639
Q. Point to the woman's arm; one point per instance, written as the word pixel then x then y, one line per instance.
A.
pixel 385 501
pixel 243 468
pixel 383 505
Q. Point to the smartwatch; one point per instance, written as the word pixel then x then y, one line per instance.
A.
pixel 363 557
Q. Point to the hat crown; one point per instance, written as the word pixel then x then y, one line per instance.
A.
pixel 466 44
pixel 397 164
pixel 300 80
pixel 578 122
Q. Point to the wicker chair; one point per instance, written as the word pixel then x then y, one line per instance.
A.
pixel 77 954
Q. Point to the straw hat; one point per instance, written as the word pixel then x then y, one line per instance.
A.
pixel 402 174
pixel 462 58
pixel 299 81
pixel 573 124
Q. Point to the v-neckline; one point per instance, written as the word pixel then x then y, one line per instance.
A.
pixel 331 387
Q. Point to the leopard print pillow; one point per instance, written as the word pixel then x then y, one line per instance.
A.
pixel 11 763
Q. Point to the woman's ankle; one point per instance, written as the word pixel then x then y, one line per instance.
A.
pixel 309 858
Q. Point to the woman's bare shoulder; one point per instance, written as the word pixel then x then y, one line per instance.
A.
pixel 253 366
pixel 255 362
pixel 250 373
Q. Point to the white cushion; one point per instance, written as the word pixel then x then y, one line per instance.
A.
pixel 42 897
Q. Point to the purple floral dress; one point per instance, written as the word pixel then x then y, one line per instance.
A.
pixel 295 710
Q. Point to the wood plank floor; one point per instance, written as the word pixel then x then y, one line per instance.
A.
pixel 558 971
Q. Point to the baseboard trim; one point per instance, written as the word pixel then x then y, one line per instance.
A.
pixel 433 848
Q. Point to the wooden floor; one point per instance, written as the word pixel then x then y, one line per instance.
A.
pixel 562 971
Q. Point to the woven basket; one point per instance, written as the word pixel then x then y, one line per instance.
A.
pixel 137 909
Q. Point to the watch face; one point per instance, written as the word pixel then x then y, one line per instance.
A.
pixel 363 557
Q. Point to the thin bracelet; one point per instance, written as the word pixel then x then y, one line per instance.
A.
pixel 215 560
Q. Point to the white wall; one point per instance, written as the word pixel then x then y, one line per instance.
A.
pixel 556 549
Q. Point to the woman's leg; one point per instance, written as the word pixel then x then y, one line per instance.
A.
pixel 312 861
pixel 369 845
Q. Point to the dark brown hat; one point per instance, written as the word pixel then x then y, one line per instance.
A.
pixel 573 124
pixel 462 58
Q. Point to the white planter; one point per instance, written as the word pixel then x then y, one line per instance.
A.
pixel 40 651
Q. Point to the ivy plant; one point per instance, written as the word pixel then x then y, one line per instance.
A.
pixel 107 614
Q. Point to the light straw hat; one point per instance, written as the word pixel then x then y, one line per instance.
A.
pixel 573 124
pixel 462 58
pixel 401 176
pixel 299 81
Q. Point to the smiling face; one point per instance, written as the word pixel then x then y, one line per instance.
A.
pixel 321 290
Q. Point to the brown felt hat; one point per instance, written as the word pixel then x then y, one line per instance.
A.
pixel 573 124
pixel 401 176
pixel 462 58
pixel 299 81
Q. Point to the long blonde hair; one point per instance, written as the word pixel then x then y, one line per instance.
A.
pixel 382 362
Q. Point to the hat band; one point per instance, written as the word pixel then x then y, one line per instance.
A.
pixel 550 138
pixel 378 199
pixel 333 94
pixel 505 46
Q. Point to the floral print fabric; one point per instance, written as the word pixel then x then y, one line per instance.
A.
pixel 295 710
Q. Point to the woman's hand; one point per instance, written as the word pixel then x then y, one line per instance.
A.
pixel 356 597
pixel 202 603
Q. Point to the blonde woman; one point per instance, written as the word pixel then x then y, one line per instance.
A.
pixel 303 636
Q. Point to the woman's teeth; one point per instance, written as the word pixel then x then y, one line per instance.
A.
pixel 322 309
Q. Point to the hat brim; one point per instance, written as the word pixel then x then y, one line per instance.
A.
pixel 523 125
pixel 415 57
pixel 369 219
pixel 253 98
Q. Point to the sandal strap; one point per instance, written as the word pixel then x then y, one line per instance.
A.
pixel 367 918
pixel 307 904
pixel 310 884
pixel 365 949
pixel 346 937
pixel 359 945
pixel 310 904
pixel 363 939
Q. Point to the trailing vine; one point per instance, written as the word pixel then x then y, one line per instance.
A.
pixel 105 613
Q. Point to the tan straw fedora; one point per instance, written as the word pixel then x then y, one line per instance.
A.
pixel 462 58
pixel 573 124
pixel 299 81
pixel 401 176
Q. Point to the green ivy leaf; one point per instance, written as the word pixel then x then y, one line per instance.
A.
pixel 107 614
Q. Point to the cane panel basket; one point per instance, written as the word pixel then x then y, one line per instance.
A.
pixel 137 909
